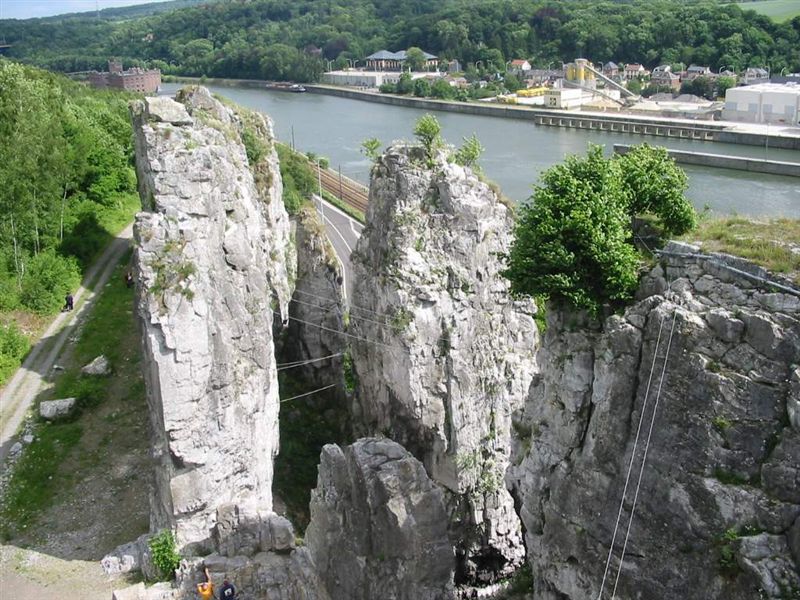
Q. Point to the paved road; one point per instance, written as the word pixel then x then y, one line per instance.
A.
pixel 343 232
pixel 22 389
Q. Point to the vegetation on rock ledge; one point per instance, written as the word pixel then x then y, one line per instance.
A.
pixel 574 241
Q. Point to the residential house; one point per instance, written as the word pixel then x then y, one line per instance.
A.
pixel 611 70
pixel 457 82
pixel 755 75
pixel 383 60
pixel 520 66
pixel 634 70
pixel 695 71
pixel 663 76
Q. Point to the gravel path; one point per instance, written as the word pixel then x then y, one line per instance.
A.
pixel 22 388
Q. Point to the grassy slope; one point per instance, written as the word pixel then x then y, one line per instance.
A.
pixel 768 242
pixel 777 10
pixel 74 463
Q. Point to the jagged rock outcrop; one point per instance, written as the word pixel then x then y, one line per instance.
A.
pixel 718 511
pixel 444 355
pixel 378 525
pixel 210 251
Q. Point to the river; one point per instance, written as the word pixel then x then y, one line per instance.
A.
pixel 516 151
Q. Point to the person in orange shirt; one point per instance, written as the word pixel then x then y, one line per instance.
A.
pixel 206 588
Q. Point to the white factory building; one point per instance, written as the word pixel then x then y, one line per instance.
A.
pixel 772 103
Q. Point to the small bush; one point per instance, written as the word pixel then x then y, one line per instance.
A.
pixel 164 552
pixel 48 278
pixel 13 347
pixel 254 147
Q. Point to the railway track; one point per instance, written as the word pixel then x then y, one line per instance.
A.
pixel 348 191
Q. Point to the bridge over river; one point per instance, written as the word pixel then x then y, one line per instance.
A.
pixel 516 151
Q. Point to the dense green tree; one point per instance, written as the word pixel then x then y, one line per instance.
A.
pixel 653 184
pixel 415 58
pixel 232 38
pixel 573 240
pixel 635 86
pixel 443 90
pixel 422 89
pixel 405 84
pixel 65 156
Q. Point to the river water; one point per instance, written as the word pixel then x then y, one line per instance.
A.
pixel 516 151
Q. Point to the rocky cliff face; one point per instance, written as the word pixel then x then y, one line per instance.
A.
pixel 444 355
pixel 717 512
pixel 378 525
pixel 210 260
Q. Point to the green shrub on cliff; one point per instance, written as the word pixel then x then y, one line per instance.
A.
pixel 573 240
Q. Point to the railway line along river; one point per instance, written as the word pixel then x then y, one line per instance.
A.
pixel 516 151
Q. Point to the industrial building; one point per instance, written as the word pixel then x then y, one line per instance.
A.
pixel 133 80
pixel 771 103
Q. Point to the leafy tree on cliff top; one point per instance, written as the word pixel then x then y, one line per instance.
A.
pixel 573 242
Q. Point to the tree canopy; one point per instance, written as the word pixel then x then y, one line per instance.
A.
pixel 68 183
pixel 574 239
pixel 274 39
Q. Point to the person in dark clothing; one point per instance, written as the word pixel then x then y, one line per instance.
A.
pixel 69 302
pixel 129 279
pixel 227 591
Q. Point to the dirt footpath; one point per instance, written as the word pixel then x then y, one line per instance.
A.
pixel 29 575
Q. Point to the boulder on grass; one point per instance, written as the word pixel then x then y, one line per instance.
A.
pixel 51 410
pixel 99 366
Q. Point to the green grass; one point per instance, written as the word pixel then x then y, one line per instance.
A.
pixel 346 208
pixel 763 242
pixel 777 10
pixel 38 477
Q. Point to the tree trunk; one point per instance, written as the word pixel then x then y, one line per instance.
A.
pixel 35 226
pixel 17 262
pixel 63 204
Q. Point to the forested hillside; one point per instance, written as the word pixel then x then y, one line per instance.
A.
pixel 66 185
pixel 275 39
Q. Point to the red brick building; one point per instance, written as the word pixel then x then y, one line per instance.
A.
pixel 133 80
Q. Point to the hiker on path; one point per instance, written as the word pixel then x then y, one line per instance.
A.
pixel 69 302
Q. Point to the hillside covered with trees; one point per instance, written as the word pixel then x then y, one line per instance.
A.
pixel 68 185
pixel 274 39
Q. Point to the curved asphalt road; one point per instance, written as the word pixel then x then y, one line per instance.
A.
pixel 343 232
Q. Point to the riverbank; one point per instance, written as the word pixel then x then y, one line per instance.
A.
pixel 749 134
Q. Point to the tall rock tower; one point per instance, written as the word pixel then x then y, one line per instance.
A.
pixel 444 355
pixel 210 247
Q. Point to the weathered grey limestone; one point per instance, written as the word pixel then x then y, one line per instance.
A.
pixel 210 256
pixel 51 410
pixel 132 557
pixel 449 355
pixel 99 366
pixel 718 507
pixel 378 525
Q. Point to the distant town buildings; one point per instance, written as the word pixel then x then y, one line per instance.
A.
pixel 772 103
pixel 520 66
pixel 133 80
pixel 755 75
